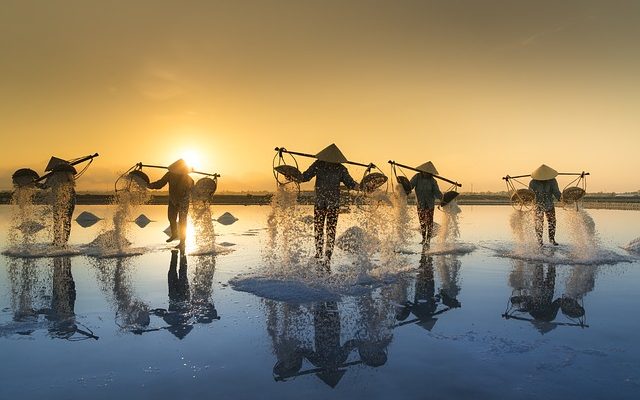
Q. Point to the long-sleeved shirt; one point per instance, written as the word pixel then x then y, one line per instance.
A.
pixel 328 177
pixel 545 192
pixel 427 190
pixel 179 187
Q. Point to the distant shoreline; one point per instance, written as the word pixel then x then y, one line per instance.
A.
pixel 592 201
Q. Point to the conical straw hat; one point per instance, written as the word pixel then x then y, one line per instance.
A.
pixel 54 162
pixel 179 167
pixel 331 154
pixel 428 167
pixel 544 173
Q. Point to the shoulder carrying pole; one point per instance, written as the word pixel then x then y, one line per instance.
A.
pixel 140 165
pixel 417 170
pixel 295 153
pixel 76 162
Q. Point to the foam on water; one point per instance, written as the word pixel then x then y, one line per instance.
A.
pixel 556 255
pixel 42 250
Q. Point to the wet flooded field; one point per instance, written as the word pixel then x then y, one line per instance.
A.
pixel 481 314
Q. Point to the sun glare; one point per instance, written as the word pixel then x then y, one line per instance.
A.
pixel 192 159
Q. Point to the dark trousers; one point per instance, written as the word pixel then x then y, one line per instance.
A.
pixel 539 222
pixel 62 222
pixel 425 216
pixel 322 216
pixel 178 220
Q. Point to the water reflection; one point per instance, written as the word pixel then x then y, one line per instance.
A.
pixel 44 298
pixel 326 338
pixel 426 303
pixel 187 306
pixel 534 297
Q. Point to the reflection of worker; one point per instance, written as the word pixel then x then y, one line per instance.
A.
pixel 329 354
pixel 537 296
pixel 329 174
pixel 178 314
pixel 63 198
pixel 180 184
pixel 427 191
pixel 545 186
pixel 63 299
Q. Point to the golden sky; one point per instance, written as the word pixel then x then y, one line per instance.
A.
pixel 481 88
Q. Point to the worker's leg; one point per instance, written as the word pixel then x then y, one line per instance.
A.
pixel 319 216
pixel 332 223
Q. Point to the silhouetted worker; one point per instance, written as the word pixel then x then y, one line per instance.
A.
pixel 427 191
pixel 180 184
pixel 545 186
pixel 329 173
pixel 62 184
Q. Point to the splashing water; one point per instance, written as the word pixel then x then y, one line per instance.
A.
pixel 27 219
pixel 288 244
pixel 401 218
pixel 522 226
pixel 205 235
pixel 449 229
pixel 582 234
pixel 113 239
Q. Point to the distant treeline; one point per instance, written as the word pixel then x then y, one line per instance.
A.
pixel 595 200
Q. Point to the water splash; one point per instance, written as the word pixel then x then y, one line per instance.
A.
pixel 449 229
pixel 289 241
pixel 522 227
pixel 582 234
pixel 112 241
pixel 28 220
pixel 204 230
pixel 401 218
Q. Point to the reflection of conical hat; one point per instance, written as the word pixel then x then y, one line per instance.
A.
pixel 544 173
pixel 428 167
pixel 331 154
pixel 179 167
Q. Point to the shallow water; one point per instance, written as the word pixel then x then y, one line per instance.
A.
pixel 440 325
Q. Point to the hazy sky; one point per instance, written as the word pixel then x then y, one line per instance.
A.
pixel 481 88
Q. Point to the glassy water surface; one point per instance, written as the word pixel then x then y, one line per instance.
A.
pixel 483 322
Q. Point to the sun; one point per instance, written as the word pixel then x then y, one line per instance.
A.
pixel 192 158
